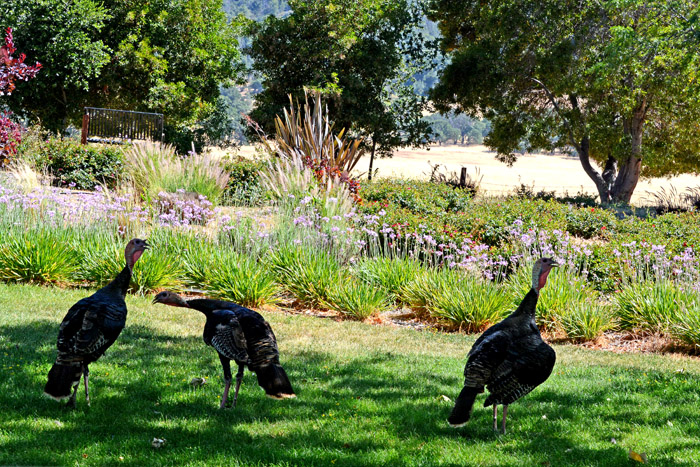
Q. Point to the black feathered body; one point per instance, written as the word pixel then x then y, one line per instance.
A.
pixel 243 335
pixel 89 328
pixel 510 359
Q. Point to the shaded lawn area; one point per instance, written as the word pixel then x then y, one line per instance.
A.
pixel 367 395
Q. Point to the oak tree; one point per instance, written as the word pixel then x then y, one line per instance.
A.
pixel 614 80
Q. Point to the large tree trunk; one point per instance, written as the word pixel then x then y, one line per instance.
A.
pixel 583 149
pixel 630 169
pixel 619 178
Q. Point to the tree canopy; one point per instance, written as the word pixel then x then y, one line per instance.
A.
pixel 166 56
pixel 357 53
pixel 615 80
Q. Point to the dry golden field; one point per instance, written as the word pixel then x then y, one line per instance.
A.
pixel 552 173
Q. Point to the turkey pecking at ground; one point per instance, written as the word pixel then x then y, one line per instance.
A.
pixel 241 335
pixel 89 328
pixel 509 358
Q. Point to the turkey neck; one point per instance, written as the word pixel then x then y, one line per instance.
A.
pixel 528 306
pixel 205 305
pixel 120 284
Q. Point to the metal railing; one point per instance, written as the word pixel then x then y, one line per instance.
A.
pixel 115 126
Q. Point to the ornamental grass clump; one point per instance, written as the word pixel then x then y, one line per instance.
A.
pixel 653 305
pixel 357 299
pixel 687 326
pixel 222 272
pixel 308 275
pixel 587 321
pixel 421 292
pixel 242 280
pixel 289 180
pixel 154 168
pixel 306 138
pixel 38 255
pixel 471 304
pixel 390 274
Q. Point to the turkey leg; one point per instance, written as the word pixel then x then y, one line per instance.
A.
pixel 71 401
pixel 226 364
pixel 505 412
pixel 239 379
pixel 495 417
pixel 86 373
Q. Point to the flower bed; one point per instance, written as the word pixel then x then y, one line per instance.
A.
pixel 316 252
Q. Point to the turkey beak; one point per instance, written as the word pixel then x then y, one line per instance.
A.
pixel 554 264
pixel 155 300
pixel 147 246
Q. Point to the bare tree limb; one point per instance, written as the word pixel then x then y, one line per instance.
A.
pixel 569 129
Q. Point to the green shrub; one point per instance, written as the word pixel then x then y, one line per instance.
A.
pixel 388 273
pixel 652 305
pixel 244 185
pixel 586 321
pixel 39 254
pixel 309 276
pixel 451 216
pixel 471 304
pixel 85 166
pixel 416 196
pixel 676 231
pixel 589 222
pixel 357 299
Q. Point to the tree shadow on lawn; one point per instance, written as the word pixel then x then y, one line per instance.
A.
pixel 139 400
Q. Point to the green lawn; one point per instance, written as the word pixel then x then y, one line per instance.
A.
pixel 367 395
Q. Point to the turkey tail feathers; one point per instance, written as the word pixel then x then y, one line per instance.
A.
pixel 62 379
pixel 463 406
pixel 273 379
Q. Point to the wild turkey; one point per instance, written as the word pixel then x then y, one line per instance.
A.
pixel 89 328
pixel 241 335
pixel 509 358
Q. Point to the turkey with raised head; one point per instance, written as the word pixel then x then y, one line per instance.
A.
pixel 89 328
pixel 510 358
pixel 242 335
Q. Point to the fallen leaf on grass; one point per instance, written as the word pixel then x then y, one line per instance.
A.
pixel 638 457
pixel 445 398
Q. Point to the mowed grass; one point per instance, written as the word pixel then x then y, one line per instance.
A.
pixel 367 395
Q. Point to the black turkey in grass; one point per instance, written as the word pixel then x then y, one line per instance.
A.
pixel 241 335
pixel 89 328
pixel 510 358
